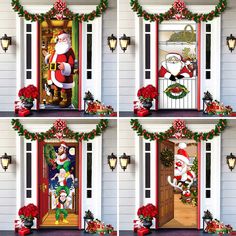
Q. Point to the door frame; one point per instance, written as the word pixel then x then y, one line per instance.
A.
pixel 203 84
pixel 139 152
pixel 79 176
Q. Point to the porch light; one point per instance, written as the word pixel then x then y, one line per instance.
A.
pixel 231 42
pixel 5 161
pixel 206 100
pixel 124 161
pixel 124 42
pixel 5 42
pixel 112 42
pixel 112 161
pixel 231 161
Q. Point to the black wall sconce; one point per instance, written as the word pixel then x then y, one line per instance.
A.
pixel 112 161
pixel 5 42
pixel 124 161
pixel 124 42
pixel 231 161
pixel 231 42
pixel 112 42
pixel 5 161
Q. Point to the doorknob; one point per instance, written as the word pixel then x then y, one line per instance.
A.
pixel 43 187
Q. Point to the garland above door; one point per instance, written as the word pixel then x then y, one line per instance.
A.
pixel 60 11
pixel 178 11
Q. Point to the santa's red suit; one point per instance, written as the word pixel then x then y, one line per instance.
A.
pixel 174 70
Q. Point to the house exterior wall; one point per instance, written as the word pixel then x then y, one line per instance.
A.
pixel 127 68
pixel 8 81
pixel 8 209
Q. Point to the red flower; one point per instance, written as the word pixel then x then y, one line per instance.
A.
pixel 147 212
pixel 30 211
pixel 30 92
pixel 147 93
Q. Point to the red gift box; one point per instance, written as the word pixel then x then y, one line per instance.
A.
pixel 18 106
pixel 143 231
pixel 137 225
pixel 18 225
pixel 23 112
pixel 137 106
pixel 142 112
pixel 24 231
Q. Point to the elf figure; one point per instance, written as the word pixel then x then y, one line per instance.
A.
pixel 62 160
pixel 60 75
pixel 182 174
pixel 62 203
pixel 173 68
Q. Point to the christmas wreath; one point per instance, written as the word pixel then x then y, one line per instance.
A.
pixel 167 157
pixel 176 91
pixel 59 130
pixel 178 11
pixel 178 130
pixel 60 11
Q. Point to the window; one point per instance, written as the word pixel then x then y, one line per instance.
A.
pixel 208 170
pixel 89 50
pixel 89 184
pixel 28 171
pixel 28 48
pixel 147 170
pixel 147 49
pixel 208 51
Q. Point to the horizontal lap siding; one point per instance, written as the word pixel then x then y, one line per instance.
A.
pixel 8 178
pixel 109 60
pixel 127 208
pixel 8 59
pixel 228 178
pixel 109 187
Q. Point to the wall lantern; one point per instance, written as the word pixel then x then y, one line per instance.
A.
pixel 231 42
pixel 112 42
pixel 124 161
pixel 124 42
pixel 112 161
pixel 88 98
pixel 207 217
pixel 5 42
pixel 206 100
pixel 5 161
pixel 88 217
pixel 231 161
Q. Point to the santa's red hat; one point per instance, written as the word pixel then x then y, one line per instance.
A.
pixel 63 193
pixel 62 34
pixel 182 154
pixel 63 144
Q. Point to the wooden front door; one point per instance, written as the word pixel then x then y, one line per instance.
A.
pixel 165 191
pixel 59 176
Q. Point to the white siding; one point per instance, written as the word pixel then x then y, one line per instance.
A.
pixel 7 179
pixel 127 194
pixel 228 178
pixel 109 186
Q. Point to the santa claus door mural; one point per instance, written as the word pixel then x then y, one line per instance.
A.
pixel 177 65
pixel 58 185
pixel 59 55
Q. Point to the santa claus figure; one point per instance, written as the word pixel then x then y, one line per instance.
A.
pixel 61 66
pixel 62 160
pixel 173 68
pixel 182 174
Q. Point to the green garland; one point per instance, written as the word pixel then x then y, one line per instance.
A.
pixel 184 92
pixel 167 158
pixel 198 137
pixel 101 7
pixel 187 14
pixel 68 133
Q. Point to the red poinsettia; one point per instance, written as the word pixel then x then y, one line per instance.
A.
pixel 147 212
pixel 28 93
pixel 28 212
pixel 147 93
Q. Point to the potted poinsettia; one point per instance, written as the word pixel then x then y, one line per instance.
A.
pixel 27 96
pixel 146 95
pixel 146 214
pixel 27 214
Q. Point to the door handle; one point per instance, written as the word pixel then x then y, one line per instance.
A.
pixel 43 187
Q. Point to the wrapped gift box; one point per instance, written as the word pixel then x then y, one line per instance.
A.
pixel 137 225
pixel 143 112
pixel 17 225
pixel 24 231
pixel 143 231
pixel 23 112
pixel 17 106
pixel 137 106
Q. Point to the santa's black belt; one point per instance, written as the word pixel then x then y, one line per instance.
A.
pixel 54 66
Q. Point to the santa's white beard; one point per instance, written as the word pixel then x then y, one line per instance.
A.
pixel 174 68
pixel 62 47
pixel 180 171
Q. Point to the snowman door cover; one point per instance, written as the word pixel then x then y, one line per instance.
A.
pixel 177 65
pixel 58 184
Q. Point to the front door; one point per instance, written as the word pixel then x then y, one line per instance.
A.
pixel 165 193
pixel 58 185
